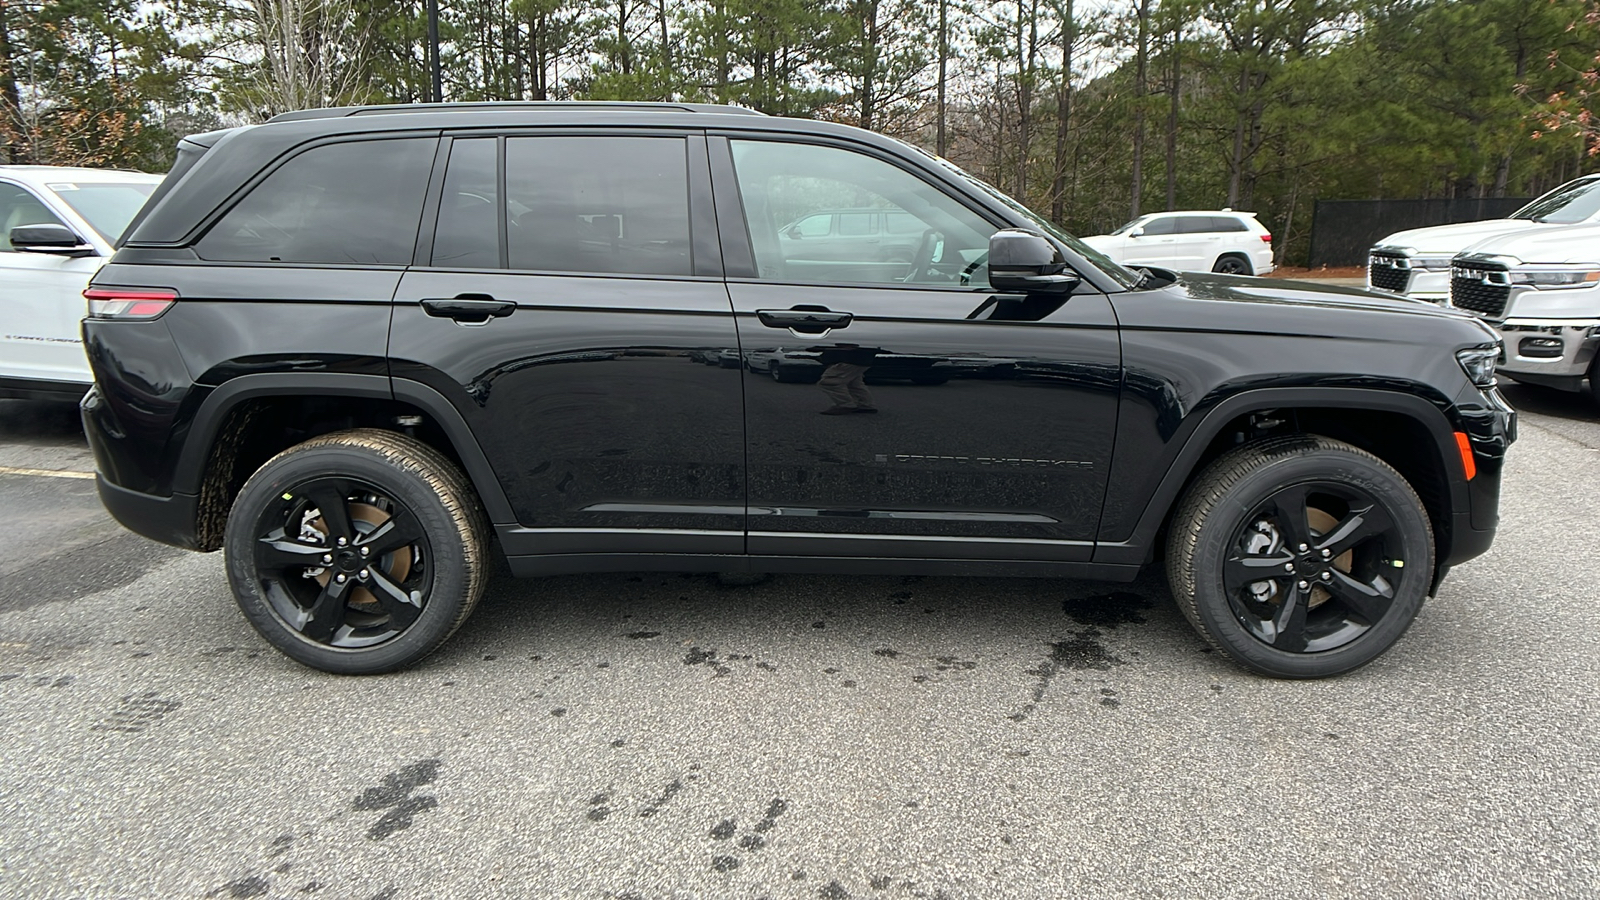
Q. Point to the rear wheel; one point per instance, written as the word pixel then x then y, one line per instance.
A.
pixel 1300 556
pixel 1231 264
pixel 357 552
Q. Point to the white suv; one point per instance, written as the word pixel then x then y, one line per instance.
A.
pixel 1541 290
pixel 1203 240
pixel 57 227
pixel 1416 263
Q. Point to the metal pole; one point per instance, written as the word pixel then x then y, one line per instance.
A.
pixel 433 51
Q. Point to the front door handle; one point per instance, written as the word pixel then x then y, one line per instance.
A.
pixel 804 320
pixel 474 309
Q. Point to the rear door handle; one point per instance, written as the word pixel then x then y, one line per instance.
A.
pixel 804 321
pixel 471 309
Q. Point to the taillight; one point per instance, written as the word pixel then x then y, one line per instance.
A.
pixel 128 303
pixel 1266 239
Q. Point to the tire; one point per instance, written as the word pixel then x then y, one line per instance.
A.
pixel 1231 539
pixel 1232 264
pixel 400 499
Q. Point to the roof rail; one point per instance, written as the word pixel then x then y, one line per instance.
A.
pixel 342 111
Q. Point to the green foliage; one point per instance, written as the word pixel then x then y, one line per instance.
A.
pixel 1261 104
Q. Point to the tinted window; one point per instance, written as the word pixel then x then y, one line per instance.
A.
pixel 1228 223
pixel 615 205
pixel 18 207
pixel 468 234
pixel 1164 225
pixel 815 226
pixel 1194 224
pixel 356 202
pixel 936 239
pixel 108 208
pixel 855 224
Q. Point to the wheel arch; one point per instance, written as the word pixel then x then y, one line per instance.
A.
pixel 1347 414
pixel 248 419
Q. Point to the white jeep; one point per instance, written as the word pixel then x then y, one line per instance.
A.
pixel 57 227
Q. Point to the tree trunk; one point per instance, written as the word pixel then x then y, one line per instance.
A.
pixel 11 117
pixel 1058 182
pixel 1174 90
pixel 1142 62
pixel 944 57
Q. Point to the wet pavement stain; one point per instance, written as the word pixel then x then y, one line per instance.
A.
pixel 833 890
pixel 724 863
pixel 725 829
pixel 598 809
pixel 655 805
pixel 642 635
pixel 395 795
pixel 138 712
pixel 250 886
pixel 1084 651
pixel 1107 610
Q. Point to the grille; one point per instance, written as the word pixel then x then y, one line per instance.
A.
pixel 1470 290
pixel 1385 274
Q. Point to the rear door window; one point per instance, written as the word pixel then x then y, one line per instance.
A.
pixel 1194 224
pixel 609 205
pixel 355 203
pixel 1227 223
pixel 468 233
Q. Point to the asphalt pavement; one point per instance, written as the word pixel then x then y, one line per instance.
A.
pixel 668 736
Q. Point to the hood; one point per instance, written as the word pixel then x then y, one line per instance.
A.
pixel 1448 240
pixel 1248 289
pixel 1553 244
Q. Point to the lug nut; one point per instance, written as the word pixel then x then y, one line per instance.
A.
pixel 1303 585
pixel 343 541
pixel 1288 567
pixel 339 578
pixel 364 575
pixel 327 557
pixel 1326 553
pixel 1304 548
pixel 1327 576
pixel 367 551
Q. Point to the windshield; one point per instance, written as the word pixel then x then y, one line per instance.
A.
pixel 108 208
pixel 1115 270
pixel 1129 226
pixel 1569 204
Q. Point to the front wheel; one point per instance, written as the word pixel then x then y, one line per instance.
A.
pixel 357 552
pixel 1300 556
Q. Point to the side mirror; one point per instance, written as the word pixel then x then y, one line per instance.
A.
pixel 1137 232
pixel 1024 262
pixel 53 239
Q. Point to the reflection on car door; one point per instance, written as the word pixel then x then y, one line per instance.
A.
pixel 1195 244
pixel 1003 456
pixel 571 298
pixel 1154 246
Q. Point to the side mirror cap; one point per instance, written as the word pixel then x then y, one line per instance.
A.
pixel 1137 232
pixel 1024 262
pixel 54 239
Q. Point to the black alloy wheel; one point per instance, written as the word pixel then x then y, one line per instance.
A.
pixel 1300 556
pixel 342 563
pixel 1231 265
pixel 357 552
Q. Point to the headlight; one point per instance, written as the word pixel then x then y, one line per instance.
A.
pixel 1556 279
pixel 1479 363
pixel 1431 263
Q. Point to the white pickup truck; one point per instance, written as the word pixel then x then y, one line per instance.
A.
pixel 1416 263
pixel 57 227
pixel 1541 290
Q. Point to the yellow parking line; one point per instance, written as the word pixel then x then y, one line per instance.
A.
pixel 45 473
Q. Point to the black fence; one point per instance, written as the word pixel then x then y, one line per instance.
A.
pixel 1342 231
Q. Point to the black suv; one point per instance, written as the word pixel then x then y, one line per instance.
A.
pixel 361 350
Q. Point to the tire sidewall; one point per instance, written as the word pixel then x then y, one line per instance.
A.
pixel 1228 516
pixel 448 549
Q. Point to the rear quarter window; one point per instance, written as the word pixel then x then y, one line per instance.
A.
pixel 357 202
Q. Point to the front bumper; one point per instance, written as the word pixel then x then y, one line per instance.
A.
pixel 1553 351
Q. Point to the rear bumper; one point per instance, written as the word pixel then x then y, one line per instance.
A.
pixel 169 520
